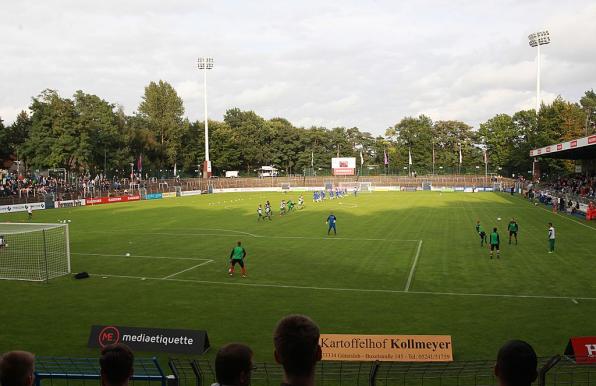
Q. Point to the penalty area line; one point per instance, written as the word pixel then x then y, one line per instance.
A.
pixel 413 269
pixel 263 236
pixel 186 270
pixel 142 256
pixel 362 290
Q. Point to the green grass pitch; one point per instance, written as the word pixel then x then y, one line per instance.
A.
pixel 401 263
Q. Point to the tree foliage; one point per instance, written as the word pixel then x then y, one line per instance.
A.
pixel 91 135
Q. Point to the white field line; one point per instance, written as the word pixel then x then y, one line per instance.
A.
pixel 188 269
pixel 142 256
pixel 568 218
pixel 413 269
pixel 260 236
pixel 362 290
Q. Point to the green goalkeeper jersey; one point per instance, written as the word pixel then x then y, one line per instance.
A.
pixel 513 227
pixel 238 253
pixel 494 238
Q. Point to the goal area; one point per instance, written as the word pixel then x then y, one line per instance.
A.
pixel 33 251
pixel 364 187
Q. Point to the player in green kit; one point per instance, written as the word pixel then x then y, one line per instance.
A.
pixel 481 233
pixel 494 242
pixel 513 228
pixel 237 257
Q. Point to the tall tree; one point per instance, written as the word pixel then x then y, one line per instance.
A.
pixel 163 109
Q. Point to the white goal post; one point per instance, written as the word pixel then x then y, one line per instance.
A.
pixel 34 251
pixel 365 187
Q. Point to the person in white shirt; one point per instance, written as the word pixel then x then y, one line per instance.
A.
pixel 551 238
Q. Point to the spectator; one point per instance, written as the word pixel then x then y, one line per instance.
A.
pixel 296 340
pixel 116 364
pixel 233 365
pixel 516 364
pixel 16 368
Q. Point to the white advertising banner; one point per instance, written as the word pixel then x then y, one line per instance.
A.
pixel 343 166
pixel 22 207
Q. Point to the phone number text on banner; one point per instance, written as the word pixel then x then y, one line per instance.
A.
pixel 388 348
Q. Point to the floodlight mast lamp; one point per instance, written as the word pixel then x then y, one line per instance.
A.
pixel 538 39
pixel 205 64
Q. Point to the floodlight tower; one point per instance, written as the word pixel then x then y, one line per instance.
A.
pixel 538 39
pixel 206 64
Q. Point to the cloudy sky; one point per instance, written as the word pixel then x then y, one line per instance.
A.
pixel 332 63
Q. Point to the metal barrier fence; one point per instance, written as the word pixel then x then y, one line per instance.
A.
pixel 554 371
pixel 162 186
pixel 80 371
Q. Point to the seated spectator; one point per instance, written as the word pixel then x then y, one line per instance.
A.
pixel 116 363
pixel 296 340
pixel 233 365
pixel 516 364
pixel 16 368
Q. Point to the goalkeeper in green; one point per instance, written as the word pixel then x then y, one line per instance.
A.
pixel 237 257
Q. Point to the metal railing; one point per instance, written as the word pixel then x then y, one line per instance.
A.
pixel 557 371
pixel 69 371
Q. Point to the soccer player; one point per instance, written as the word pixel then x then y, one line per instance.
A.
pixel 331 220
pixel 481 233
pixel 494 242
pixel 237 257
pixel 513 228
pixel 260 213
pixel 300 202
pixel 267 212
pixel 2 242
pixel 551 238
pixel 30 212
pixel 315 196
pixel 282 207
pixel 290 205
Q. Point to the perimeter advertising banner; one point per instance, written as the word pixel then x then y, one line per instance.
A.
pixel 582 349
pixel 387 348
pixel 110 200
pixel 151 339
pixel 345 166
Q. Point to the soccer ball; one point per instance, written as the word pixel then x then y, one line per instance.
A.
pixel 498 218
pixel 68 220
pixel 128 254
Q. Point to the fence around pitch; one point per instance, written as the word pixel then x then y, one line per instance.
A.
pixel 61 371
pixel 162 186
pixel 556 371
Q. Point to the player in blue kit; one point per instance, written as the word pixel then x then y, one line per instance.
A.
pixel 331 220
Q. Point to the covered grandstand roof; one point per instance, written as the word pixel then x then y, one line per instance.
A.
pixel 581 148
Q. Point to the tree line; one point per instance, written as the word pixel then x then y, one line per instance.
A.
pixel 87 134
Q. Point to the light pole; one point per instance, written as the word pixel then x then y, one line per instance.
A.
pixel 206 64
pixel 538 39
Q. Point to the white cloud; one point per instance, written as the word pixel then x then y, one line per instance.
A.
pixel 340 62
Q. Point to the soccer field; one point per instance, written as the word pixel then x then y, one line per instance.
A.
pixel 401 263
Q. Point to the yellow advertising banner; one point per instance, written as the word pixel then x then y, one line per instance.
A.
pixel 388 348
pixel 168 194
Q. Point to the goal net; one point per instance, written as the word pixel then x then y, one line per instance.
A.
pixel 34 252
pixel 365 187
